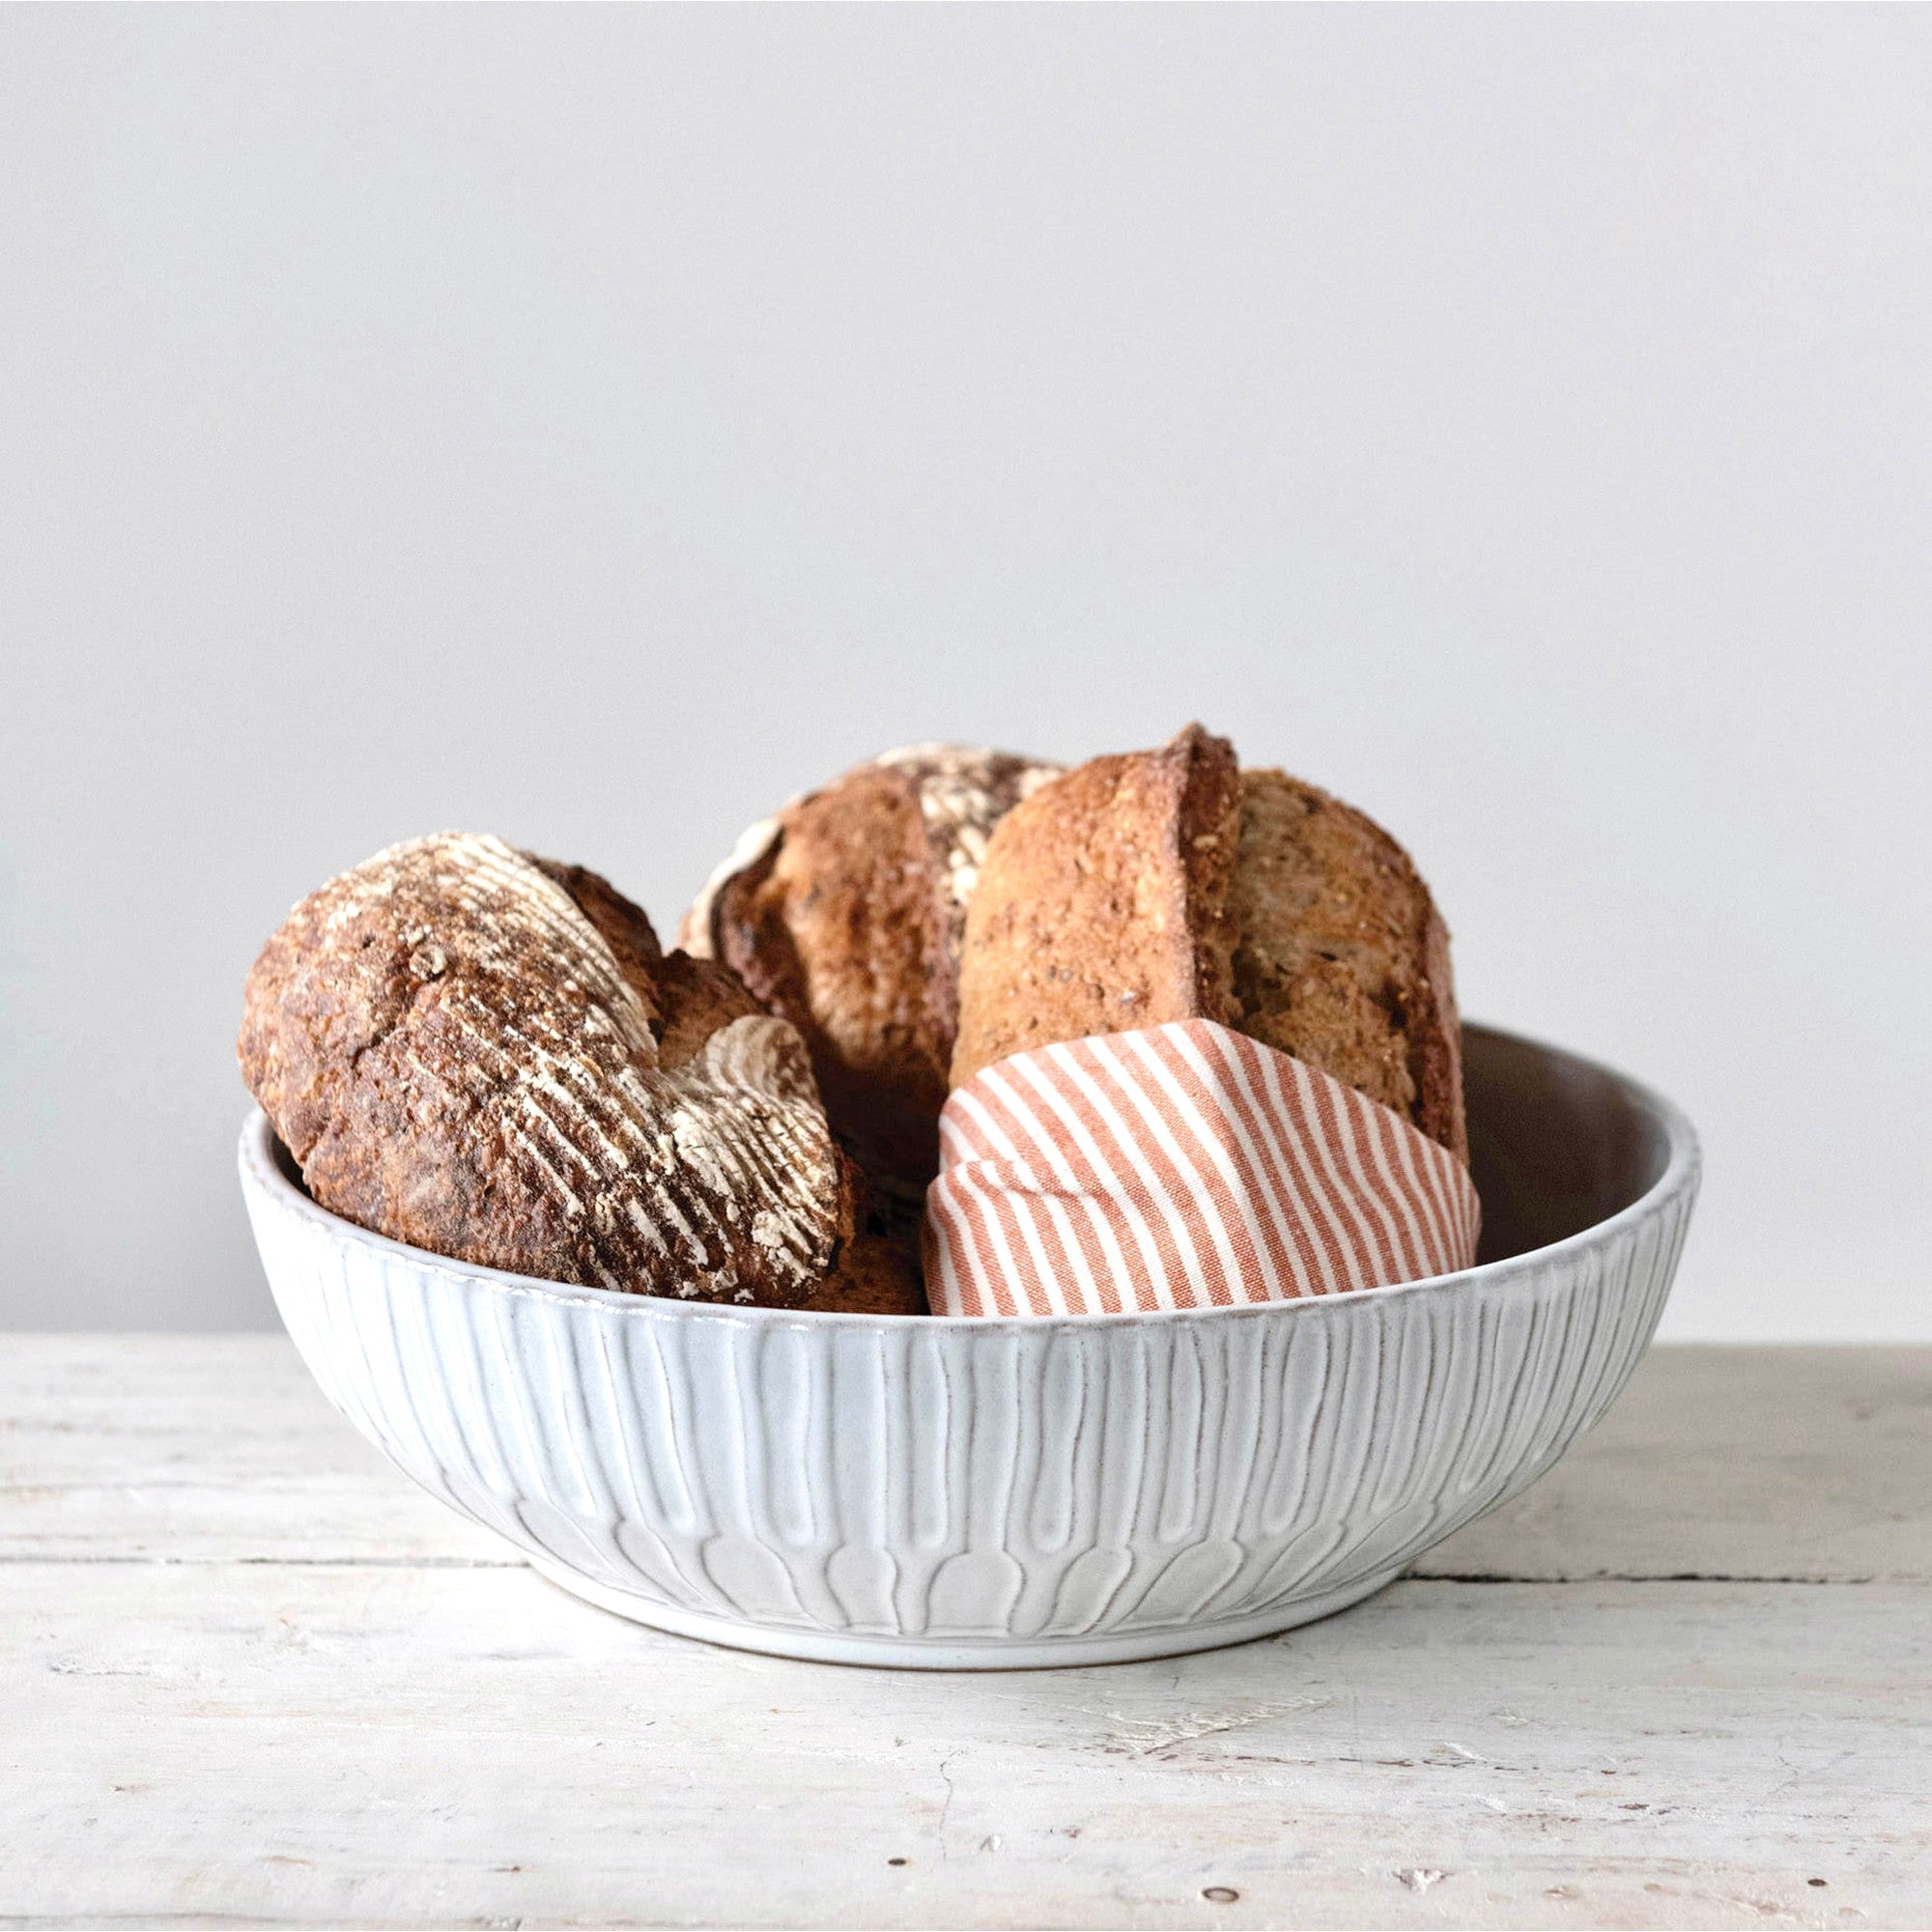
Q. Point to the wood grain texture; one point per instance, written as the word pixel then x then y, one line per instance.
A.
pixel 248 1673
pixel 1802 1464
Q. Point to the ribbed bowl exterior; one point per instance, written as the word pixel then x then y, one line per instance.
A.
pixel 971 1492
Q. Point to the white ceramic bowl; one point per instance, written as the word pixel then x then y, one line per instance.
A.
pixel 1032 1490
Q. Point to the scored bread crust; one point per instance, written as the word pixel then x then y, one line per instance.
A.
pixel 844 914
pixel 1102 903
pixel 489 1055
pixel 1160 886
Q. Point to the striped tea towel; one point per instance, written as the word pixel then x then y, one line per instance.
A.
pixel 1181 1166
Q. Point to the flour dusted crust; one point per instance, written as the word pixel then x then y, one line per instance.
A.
pixel 489 1056
pixel 1166 884
pixel 963 791
pixel 844 913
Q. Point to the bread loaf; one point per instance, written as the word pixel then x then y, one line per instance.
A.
pixel 844 914
pixel 1167 885
pixel 1341 957
pixel 878 1270
pixel 488 1055
pixel 1101 904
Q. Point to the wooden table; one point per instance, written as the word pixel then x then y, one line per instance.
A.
pixel 250 1674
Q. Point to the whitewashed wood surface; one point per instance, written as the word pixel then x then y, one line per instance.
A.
pixel 249 1675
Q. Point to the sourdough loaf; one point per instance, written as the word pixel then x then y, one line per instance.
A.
pixel 489 1055
pixel 845 913
pixel 1169 885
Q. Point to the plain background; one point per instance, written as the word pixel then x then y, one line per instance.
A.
pixel 593 426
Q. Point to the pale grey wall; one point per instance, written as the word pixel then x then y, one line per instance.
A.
pixel 594 425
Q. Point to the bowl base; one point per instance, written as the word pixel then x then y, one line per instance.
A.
pixel 911 1653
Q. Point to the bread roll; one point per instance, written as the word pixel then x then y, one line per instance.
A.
pixel 1167 885
pixel 844 914
pixel 489 1056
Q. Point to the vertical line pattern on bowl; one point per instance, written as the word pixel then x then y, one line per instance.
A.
pixel 1003 1481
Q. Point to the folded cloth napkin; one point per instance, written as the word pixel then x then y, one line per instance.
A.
pixel 1179 1166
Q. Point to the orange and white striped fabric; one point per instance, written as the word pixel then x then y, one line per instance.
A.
pixel 1181 1166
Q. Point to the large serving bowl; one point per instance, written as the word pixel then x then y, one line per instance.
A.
pixel 1019 1491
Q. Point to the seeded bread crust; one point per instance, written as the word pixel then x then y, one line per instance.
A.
pixel 1165 886
pixel 1102 903
pixel 844 914
pixel 1341 957
pixel 490 1057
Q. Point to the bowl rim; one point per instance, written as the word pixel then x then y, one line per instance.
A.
pixel 1680 1173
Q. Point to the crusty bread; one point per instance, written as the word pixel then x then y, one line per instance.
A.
pixel 1101 904
pixel 844 914
pixel 1165 884
pixel 873 1277
pixel 489 1056
pixel 878 1270
pixel 1341 957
